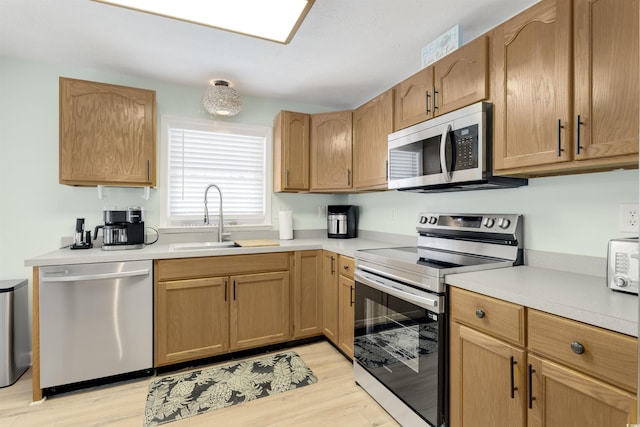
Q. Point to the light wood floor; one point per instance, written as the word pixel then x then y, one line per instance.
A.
pixel 335 400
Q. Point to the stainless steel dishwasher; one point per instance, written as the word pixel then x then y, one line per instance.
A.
pixel 96 320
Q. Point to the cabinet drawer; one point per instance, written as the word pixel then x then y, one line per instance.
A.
pixel 496 317
pixel 186 268
pixel 346 266
pixel 607 355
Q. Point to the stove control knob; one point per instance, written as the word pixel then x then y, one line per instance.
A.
pixel 423 220
pixel 504 223
pixel 621 282
pixel 489 222
pixel 433 220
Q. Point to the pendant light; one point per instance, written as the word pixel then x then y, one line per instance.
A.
pixel 221 100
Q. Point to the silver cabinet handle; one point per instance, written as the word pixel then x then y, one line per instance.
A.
pixel 286 177
pixel 479 313
pixel 348 176
pixel 99 276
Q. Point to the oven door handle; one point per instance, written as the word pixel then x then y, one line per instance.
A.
pixel 388 287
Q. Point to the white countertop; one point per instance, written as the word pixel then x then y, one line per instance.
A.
pixel 163 251
pixel 575 296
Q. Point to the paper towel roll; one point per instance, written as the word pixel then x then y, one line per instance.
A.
pixel 286 225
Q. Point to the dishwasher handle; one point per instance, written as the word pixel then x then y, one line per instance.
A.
pixel 96 276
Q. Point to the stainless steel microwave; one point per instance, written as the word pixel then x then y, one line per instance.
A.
pixel 451 152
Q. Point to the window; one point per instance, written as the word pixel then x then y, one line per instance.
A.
pixel 197 153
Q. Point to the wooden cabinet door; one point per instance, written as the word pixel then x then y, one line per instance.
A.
pixel 462 77
pixel 413 99
pixel 331 151
pixel 346 314
pixel 606 78
pixel 372 124
pixel 562 397
pixel 487 380
pixel 532 109
pixel 307 294
pixel 191 319
pixel 330 296
pixel 259 309
pixel 291 152
pixel 107 134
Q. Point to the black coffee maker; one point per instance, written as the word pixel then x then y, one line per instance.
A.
pixel 122 229
pixel 342 221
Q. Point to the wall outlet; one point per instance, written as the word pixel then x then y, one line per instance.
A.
pixel 322 211
pixel 629 218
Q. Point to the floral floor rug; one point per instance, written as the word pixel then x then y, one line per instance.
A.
pixel 181 396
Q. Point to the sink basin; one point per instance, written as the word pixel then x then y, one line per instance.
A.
pixel 201 246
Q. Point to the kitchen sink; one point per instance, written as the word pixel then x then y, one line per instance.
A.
pixel 201 246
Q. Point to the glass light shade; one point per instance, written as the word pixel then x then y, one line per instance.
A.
pixel 221 100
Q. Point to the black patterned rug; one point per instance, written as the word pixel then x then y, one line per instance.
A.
pixel 181 396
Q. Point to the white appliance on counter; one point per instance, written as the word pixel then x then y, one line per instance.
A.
pixel 96 320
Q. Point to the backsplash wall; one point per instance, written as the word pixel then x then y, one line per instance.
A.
pixel 574 214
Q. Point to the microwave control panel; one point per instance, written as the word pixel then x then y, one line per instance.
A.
pixel 466 147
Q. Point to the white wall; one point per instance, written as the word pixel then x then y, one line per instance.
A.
pixel 36 211
pixel 575 214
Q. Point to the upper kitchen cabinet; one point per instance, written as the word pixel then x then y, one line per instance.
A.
pixel 107 134
pixel 606 79
pixel 372 123
pixel 331 151
pixel 414 99
pixel 567 96
pixel 461 78
pixel 457 80
pixel 291 152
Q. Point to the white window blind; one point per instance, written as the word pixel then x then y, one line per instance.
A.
pixel 230 156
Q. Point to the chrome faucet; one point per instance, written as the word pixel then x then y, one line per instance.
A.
pixel 206 211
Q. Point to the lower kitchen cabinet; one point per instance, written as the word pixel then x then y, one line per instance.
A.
pixel 307 294
pixel 566 374
pixel 211 305
pixel 346 315
pixel 563 397
pixel 338 293
pixel 259 309
pixel 581 375
pixel 346 311
pixel 330 296
pixel 182 307
pixel 487 372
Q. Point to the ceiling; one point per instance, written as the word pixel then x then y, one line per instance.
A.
pixel 344 53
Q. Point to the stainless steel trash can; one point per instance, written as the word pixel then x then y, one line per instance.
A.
pixel 14 330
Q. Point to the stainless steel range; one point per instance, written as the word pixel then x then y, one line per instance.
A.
pixel 400 346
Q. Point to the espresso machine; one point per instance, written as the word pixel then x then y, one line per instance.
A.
pixel 342 221
pixel 122 229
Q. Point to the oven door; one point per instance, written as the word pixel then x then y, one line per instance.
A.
pixel 400 340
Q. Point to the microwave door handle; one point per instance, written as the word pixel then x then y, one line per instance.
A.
pixel 446 166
